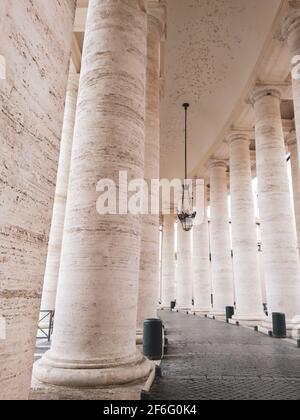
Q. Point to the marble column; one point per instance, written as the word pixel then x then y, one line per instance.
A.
pixel 58 219
pixel 149 259
pixel 291 33
pixel 184 270
pixel 36 44
pixel 222 274
pixel 293 149
pixel 94 340
pixel 249 302
pixel 168 261
pixel 278 230
pixel 201 261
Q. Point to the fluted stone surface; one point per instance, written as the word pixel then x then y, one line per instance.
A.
pixel 35 41
pixel 222 274
pixel 278 231
pixel 94 341
pixel 184 270
pixel 292 145
pixel 291 32
pixel 201 261
pixel 149 261
pixel 59 210
pixel 168 261
pixel 244 238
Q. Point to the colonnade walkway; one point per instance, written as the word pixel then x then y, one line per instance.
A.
pixel 211 360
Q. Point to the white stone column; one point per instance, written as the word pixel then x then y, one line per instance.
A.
pixel 58 219
pixel 291 32
pixel 184 271
pixel 168 261
pixel 222 275
pixel 201 261
pixel 278 231
pixel 35 44
pixel 249 302
pixel 94 340
pixel 293 149
pixel 149 260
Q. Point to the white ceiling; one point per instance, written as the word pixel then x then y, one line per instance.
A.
pixel 215 50
pixel 211 51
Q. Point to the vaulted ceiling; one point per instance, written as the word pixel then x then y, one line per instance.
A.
pixel 214 52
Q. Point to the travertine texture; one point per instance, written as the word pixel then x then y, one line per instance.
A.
pixel 168 261
pixel 149 261
pixel 291 32
pixel 222 275
pixel 94 341
pixel 292 145
pixel 59 210
pixel 278 231
pixel 201 262
pixel 184 270
pixel 35 42
pixel 244 238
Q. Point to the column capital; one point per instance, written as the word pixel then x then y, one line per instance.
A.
pixel 157 14
pixel 217 163
pixel 291 138
pixel 261 91
pixel 291 22
pixel 238 136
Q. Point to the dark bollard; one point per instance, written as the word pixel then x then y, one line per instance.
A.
pixel 229 312
pixel 279 325
pixel 173 305
pixel 153 339
pixel 298 344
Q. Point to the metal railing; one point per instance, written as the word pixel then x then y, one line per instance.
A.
pixel 47 319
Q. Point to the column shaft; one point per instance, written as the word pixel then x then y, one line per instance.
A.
pixel 94 341
pixel 184 271
pixel 201 261
pixel 292 144
pixel 168 261
pixel 244 237
pixel 291 32
pixel 149 259
pixel 222 275
pixel 36 44
pixel 279 242
pixel 59 210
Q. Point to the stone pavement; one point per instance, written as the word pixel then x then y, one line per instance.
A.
pixel 211 360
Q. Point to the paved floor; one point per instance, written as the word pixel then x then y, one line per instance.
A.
pixel 210 360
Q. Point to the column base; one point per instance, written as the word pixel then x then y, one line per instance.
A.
pixel 91 374
pixel 139 337
pixel 128 392
pixel 249 320
pixel 201 312
pixel 183 310
pixel 292 327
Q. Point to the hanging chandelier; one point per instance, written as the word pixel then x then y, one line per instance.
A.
pixel 187 214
